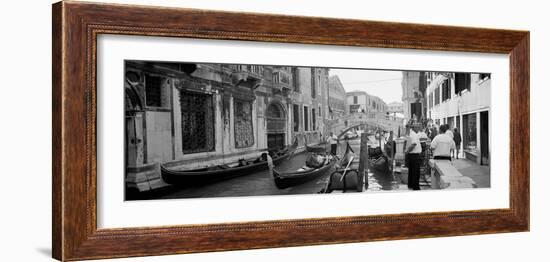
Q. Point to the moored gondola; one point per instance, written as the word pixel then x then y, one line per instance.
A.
pixel 226 171
pixel 316 148
pixel 378 160
pixel 287 179
pixel 380 163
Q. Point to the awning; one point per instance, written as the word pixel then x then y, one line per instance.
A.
pixel 437 82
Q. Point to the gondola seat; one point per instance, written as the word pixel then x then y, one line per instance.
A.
pixel 348 183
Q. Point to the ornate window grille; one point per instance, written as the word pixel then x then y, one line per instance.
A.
pixel 197 122
pixel 244 132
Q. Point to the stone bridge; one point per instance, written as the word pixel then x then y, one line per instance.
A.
pixel 365 121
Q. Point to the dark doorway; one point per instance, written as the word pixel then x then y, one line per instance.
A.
pixel 416 110
pixel 275 141
pixel 276 126
pixel 484 132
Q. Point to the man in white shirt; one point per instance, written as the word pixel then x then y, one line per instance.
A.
pixel 413 154
pixel 442 145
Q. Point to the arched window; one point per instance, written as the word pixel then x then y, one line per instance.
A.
pixel 274 111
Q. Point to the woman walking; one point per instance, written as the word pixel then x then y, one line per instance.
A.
pixel 458 139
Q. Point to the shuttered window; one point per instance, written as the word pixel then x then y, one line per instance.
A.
pixel 462 82
pixel 153 91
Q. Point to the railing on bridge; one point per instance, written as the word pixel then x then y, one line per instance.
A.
pixel 373 119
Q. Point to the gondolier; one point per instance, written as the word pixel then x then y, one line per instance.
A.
pixel 333 141
pixel 413 154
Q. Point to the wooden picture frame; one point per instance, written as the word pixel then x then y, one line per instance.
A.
pixel 76 26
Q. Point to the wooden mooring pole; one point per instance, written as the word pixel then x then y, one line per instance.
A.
pixel 363 163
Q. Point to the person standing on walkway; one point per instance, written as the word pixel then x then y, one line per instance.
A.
pixel 449 132
pixel 458 139
pixel 333 141
pixel 433 132
pixel 422 135
pixel 413 154
pixel 442 144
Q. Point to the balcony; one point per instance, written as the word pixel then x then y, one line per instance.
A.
pixel 249 75
pixel 250 71
pixel 282 80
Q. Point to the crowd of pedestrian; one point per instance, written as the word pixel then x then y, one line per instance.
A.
pixel 444 144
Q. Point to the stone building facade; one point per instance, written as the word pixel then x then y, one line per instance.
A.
pixel 414 86
pixel 362 102
pixel 356 101
pixel 308 104
pixel 463 100
pixel 337 98
pixel 185 115
pixel 376 104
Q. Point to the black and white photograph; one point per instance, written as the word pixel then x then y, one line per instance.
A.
pixel 207 130
pixel 274 131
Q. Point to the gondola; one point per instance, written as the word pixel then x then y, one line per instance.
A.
pixel 222 172
pixel 377 160
pixel 379 163
pixel 287 179
pixel 321 148
pixel 345 178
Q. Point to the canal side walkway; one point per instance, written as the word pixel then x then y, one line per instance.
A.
pixel 480 174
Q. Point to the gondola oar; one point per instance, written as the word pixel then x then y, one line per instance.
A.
pixel 346 169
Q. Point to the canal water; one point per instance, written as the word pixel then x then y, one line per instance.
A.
pixel 261 183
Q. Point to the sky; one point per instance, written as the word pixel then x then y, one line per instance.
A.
pixel 382 83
